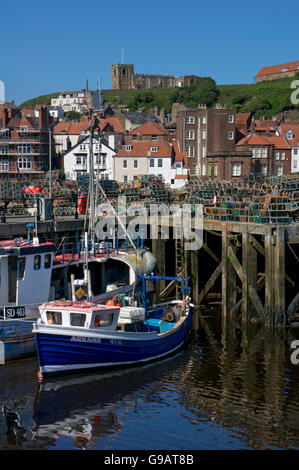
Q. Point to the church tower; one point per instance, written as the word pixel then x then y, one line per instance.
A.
pixel 122 77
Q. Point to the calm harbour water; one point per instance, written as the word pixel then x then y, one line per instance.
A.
pixel 229 389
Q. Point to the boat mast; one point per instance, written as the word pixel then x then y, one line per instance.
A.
pixel 91 181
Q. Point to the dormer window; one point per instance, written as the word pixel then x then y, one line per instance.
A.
pixel 128 148
pixel 154 137
pixel 154 149
pixel 289 134
pixel 285 69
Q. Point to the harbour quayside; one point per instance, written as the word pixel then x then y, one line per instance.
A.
pixel 80 336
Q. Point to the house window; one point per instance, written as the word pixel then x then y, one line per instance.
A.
pixel 24 163
pixel 154 137
pixel 276 155
pixel 152 163
pixel 125 163
pixel 80 160
pixel 259 152
pixel 4 149
pixel 204 119
pixel 204 151
pixel 282 156
pixel 189 135
pixel 154 149
pixel 204 133
pixel 204 170
pixel 289 135
pixel 128 148
pixel 82 147
pixel 4 165
pixel 236 169
pixel 190 120
pixel 279 170
pixel 295 164
pixel 160 163
pixel 24 130
pixel 190 151
pixel 231 118
pixel 24 148
pixel 231 136
pixel 135 163
pixel 134 137
pixel 178 165
pixel 285 69
pixel 36 262
pixel 295 151
pixel 125 178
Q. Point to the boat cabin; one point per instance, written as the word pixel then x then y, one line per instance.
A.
pixel 87 315
pixel 93 316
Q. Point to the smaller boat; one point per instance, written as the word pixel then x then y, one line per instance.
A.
pixel 25 274
pixel 81 336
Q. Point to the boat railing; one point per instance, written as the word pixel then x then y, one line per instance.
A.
pixel 71 249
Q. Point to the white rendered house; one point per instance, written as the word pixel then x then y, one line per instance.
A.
pixel 76 160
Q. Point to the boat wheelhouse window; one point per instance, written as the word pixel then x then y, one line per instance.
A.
pixel 21 268
pixel 54 318
pixel 36 262
pixel 77 319
pixel 47 261
pixel 103 319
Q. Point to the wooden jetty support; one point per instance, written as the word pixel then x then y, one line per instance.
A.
pixel 250 269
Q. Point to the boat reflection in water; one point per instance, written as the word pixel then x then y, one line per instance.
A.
pixel 232 388
pixel 91 407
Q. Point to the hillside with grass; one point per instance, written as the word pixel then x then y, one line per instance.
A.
pixel 266 98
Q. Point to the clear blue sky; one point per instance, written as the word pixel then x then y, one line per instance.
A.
pixel 54 46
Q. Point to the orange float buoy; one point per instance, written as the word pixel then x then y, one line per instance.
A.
pixel 82 203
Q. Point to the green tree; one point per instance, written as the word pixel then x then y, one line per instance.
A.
pixel 73 115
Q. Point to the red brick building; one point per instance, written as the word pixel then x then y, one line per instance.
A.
pixel 202 132
pixel 271 154
pixel 24 144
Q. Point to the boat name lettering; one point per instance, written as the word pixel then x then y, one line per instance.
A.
pixel 84 339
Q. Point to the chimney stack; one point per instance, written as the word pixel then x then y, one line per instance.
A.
pixel 43 117
pixel 4 117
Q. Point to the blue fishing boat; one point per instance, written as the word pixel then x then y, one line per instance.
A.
pixel 81 336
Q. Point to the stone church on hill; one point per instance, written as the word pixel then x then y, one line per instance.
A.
pixel 124 78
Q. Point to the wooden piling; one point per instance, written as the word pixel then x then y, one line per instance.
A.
pixel 249 264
